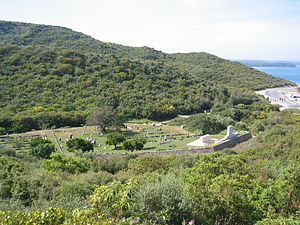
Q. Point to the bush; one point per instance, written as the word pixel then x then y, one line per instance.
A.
pixel 62 163
pixel 2 131
pixel 139 142
pixel 164 201
pixel 208 123
pixel 42 151
pixel 149 163
pixel 38 141
pixel 8 151
pixel 111 164
pixel 241 126
pixel 79 144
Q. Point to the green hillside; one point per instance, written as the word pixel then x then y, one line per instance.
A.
pixel 213 68
pixel 204 65
pixel 39 82
pixel 25 34
pixel 57 76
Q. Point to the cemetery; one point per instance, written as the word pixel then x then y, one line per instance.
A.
pixel 159 137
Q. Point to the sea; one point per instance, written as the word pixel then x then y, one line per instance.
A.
pixel 288 73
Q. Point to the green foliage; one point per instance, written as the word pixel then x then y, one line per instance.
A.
pixel 164 201
pixel 104 118
pixel 53 76
pixel 114 138
pixel 241 126
pixel 2 130
pixel 149 163
pixel 114 198
pixel 207 123
pixel 279 221
pixel 7 151
pixel 49 217
pixel 79 144
pixel 38 141
pixel 59 163
pixel 111 164
pixel 42 150
pixel 223 190
pixel 12 182
pixel 128 145
pixel 137 143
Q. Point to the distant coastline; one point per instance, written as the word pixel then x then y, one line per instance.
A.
pixel 258 63
pixel 288 73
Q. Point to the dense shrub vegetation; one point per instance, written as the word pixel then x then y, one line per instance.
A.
pixel 256 185
pixel 52 77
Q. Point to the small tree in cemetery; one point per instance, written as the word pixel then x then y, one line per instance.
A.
pixel 104 118
pixel 79 144
pixel 114 138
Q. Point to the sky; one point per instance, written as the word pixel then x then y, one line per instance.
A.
pixel 232 29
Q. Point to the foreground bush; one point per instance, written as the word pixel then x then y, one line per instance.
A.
pixel 63 163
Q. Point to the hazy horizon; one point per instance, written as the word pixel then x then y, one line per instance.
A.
pixel 231 29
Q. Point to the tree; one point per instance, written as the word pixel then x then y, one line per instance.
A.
pixel 42 150
pixel 79 144
pixel 104 118
pixel 128 145
pixel 137 143
pixel 114 138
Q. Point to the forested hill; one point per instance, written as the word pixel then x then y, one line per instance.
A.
pixel 203 65
pixel 53 76
pixel 223 71
pixel 25 34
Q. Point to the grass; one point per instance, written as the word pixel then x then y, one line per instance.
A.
pixel 159 137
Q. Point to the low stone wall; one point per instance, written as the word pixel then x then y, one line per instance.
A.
pixel 232 143
pixel 219 147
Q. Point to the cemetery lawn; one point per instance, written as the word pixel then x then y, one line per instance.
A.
pixel 159 137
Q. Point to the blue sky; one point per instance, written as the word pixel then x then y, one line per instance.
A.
pixel 232 29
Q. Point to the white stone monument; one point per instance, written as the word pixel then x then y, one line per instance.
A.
pixel 230 133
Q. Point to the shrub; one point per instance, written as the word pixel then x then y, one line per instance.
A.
pixel 38 141
pixel 2 131
pixel 149 163
pixel 62 163
pixel 79 144
pixel 42 151
pixel 164 201
pixel 111 164
pixel 241 126
pixel 8 151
